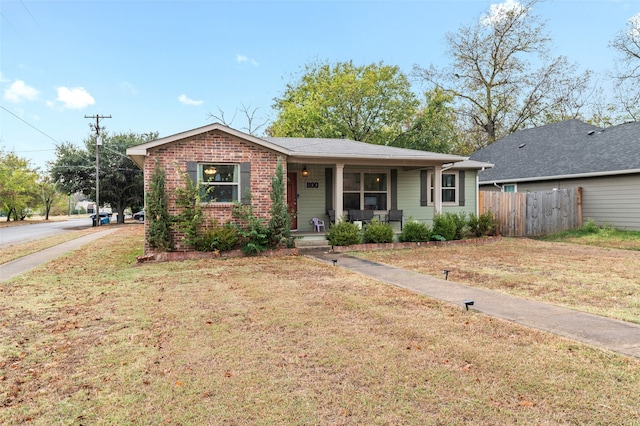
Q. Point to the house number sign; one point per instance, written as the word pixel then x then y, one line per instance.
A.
pixel 313 185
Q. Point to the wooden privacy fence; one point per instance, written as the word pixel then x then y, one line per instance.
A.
pixel 529 214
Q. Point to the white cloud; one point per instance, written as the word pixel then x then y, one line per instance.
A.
pixel 129 87
pixel 186 101
pixel 3 79
pixel 18 91
pixel 241 59
pixel 499 11
pixel 73 98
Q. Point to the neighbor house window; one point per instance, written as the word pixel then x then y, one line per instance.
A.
pixel 219 183
pixel 365 191
pixel 509 188
pixel 450 188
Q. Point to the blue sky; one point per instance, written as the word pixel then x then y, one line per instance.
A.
pixel 164 65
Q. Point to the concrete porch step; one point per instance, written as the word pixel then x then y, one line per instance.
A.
pixel 312 241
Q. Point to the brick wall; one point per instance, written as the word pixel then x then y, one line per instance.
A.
pixel 214 147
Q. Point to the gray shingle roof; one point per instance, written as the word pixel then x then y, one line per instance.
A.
pixel 345 147
pixel 561 150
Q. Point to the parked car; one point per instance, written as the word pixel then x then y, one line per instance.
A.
pixel 104 218
pixel 139 215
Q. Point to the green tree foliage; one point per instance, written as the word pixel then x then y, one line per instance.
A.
pixel 121 181
pixel 433 128
pixel 497 88
pixel 157 212
pixel 370 103
pixel 18 185
pixel 280 221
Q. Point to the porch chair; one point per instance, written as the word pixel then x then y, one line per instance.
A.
pixel 332 216
pixel 355 215
pixel 367 216
pixel 317 224
pixel 395 216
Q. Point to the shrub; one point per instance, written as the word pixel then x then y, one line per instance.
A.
pixel 280 222
pixel 344 234
pixel 378 232
pixel 159 231
pixel 481 225
pixel 590 227
pixel 449 226
pixel 415 232
pixel 189 219
pixel 254 233
pixel 222 238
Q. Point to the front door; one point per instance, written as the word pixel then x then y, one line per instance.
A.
pixel 292 198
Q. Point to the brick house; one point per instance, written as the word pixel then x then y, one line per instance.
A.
pixel 322 175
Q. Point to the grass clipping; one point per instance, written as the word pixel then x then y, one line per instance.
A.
pixel 93 339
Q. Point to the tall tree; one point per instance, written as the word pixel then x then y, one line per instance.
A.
pixel 433 128
pixel 18 185
pixel 48 194
pixel 627 68
pixel 369 103
pixel 502 76
pixel 121 181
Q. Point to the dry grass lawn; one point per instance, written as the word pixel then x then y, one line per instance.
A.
pixel 592 279
pixel 93 339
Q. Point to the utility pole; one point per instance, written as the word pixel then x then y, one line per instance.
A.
pixel 96 127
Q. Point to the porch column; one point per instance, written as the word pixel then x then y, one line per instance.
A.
pixel 337 191
pixel 437 189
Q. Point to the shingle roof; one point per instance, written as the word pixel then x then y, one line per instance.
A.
pixel 316 150
pixel 560 150
pixel 345 147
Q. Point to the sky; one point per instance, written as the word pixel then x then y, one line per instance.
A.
pixel 166 65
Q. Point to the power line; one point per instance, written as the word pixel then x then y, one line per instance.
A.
pixel 30 14
pixel 30 125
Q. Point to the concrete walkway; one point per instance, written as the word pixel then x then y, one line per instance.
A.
pixel 617 336
pixel 16 267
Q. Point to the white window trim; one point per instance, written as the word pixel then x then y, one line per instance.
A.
pixel 387 172
pixel 430 186
pixel 201 181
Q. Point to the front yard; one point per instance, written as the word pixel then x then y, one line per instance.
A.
pixel 598 280
pixel 93 339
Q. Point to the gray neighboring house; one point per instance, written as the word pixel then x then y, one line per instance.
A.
pixel 604 162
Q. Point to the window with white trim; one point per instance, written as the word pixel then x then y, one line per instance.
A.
pixel 450 188
pixel 509 188
pixel 365 191
pixel 219 183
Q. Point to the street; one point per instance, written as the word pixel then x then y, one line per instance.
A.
pixel 34 231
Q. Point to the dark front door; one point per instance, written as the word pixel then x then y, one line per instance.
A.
pixel 292 198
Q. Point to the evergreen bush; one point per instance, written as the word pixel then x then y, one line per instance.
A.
pixel 378 232
pixel 157 211
pixel 415 232
pixel 221 238
pixel 344 234
pixel 444 226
